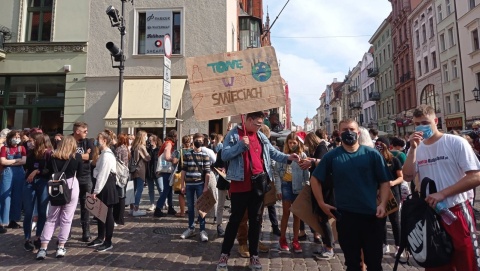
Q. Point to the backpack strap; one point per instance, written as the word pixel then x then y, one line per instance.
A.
pixel 431 187
pixel 55 168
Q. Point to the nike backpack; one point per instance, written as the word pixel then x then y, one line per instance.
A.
pixel 422 234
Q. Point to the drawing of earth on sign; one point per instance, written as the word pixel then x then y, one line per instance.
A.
pixel 261 71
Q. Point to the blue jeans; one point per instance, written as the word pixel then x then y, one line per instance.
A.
pixel 138 187
pixel 191 191
pixel 11 190
pixel 35 193
pixel 167 192
pixel 151 188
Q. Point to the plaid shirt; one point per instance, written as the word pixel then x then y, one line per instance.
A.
pixel 193 172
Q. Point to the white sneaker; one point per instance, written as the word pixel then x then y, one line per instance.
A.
pixel 34 225
pixel 139 213
pixel 188 233
pixel 204 236
pixel 151 208
pixel 222 263
pixel 386 249
pixel 131 211
pixel 165 206
pixel 61 251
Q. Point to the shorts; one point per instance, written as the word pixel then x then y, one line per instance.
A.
pixel 287 192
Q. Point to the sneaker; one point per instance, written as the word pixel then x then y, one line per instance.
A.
pixel 284 245
pixel 255 263
pixel 95 243
pixel 3 229
pixel 28 246
pixel 115 224
pixel 319 249
pixel 159 213
pixel 326 255
pixel 243 251
pixel 139 213
pixel 61 251
pixel 34 225
pixel 42 254
pixel 151 208
pixel 220 231
pixel 204 236
pixel 297 248
pixel 222 263
pixel 172 212
pixel 263 248
pixel 188 233
pixel 13 225
pixel 131 212
pixel 37 243
pixel 276 231
pixel 104 247
pixel 386 249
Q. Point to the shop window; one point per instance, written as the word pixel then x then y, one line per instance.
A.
pixel 32 90
pixel 39 20
pixel 151 31
pixel 19 118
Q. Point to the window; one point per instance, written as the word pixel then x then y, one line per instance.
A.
pixel 162 22
pixel 471 4
pixel 381 83
pixel 478 79
pixel 439 11
pixel 428 96
pixel 408 98
pixel 456 98
pixel 391 80
pixel 388 49
pixel 419 64
pixel 399 102
pixel 434 60
pixel 448 104
pixel 475 43
pixel 388 107
pixel 454 69
pixel 449 7
pixel 424 33
pixel 442 42
pixel 445 73
pixel 425 60
pixel 39 20
pixel 451 40
pixel 405 29
pixel 417 38
pixel 249 33
pixel 432 31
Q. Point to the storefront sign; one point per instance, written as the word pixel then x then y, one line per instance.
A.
pixel 157 123
pixel 455 122
pixel 158 23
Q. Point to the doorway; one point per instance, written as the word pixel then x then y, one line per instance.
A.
pixel 51 121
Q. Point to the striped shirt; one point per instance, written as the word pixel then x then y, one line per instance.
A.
pixel 194 167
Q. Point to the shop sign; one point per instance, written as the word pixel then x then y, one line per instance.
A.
pixel 455 122
pixel 157 123
pixel 158 24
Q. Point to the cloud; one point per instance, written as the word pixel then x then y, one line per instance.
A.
pixel 309 64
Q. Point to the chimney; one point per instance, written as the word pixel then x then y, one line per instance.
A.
pixel 335 80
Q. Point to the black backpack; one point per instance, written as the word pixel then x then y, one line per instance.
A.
pixel 422 234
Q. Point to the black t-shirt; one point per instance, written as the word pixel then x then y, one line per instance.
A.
pixel 320 151
pixel 394 166
pixel 40 164
pixel 74 166
pixel 83 175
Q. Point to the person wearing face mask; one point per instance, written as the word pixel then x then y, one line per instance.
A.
pixel 357 172
pixel 450 162
pixel 289 181
pixel 475 135
pixel 249 154
pixel 12 157
pixel 105 190
pixel 141 157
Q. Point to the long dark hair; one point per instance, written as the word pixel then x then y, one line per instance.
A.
pixel 41 146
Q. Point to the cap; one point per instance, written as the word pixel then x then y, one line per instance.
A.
pixel 301 136
pixel 384 140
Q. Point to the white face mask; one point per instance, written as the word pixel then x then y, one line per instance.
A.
pixel 130 142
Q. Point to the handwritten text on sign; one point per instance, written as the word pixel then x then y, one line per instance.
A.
pixel 235 83
pixel 96 207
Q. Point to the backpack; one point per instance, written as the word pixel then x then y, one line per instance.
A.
pixel 58 191
pixel 422 234
pixel 123 173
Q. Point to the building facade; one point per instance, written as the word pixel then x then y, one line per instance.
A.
pixel 336 91
pixel 425 52
pixel 368 92
pixel 468 33
pixel 353 97
pixel 385 84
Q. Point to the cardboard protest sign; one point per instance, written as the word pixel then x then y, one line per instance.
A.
pixel 96 207
pixel 205 203
pixel 270 197
pixel 392 205
pixel 234 83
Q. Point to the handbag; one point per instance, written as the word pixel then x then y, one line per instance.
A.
pixel 58 191
pixel 260 182
pixel 163 165
pixel 133 165
pixel 177 176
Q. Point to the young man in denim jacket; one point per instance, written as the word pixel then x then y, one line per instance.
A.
pixel 249 153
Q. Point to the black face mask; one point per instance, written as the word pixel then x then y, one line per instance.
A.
pixel 197 144
pixel 349 138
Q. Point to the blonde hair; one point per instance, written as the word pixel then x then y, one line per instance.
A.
pixel 67 149
pixel 364 137
pixel 476 124
pixel 139 140
pixel 265 130
pixel 218 138
pixel 311 142
pixel 293 136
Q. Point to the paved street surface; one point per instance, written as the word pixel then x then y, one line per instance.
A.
pixel 148 243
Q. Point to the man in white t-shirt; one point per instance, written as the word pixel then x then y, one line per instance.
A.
pixel 451 163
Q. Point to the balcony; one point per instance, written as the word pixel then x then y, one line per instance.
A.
pixel 374 96
pixel 405 77
pixel 356 105
pixel 372 72
pixel 352 89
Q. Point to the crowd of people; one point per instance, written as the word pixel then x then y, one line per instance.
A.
pixel 351 173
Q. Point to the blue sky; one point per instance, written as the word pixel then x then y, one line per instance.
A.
pixel 310 64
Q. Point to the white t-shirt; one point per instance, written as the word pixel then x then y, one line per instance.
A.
pixel 211 154
pixel 446 162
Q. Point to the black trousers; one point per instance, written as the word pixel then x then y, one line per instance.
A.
pixel 105 230
pixel 119 211
pixel 84 189
pixel 357 232
pixel 272 215
pixel 240 202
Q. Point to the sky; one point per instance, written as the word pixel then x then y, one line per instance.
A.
pixel 311 47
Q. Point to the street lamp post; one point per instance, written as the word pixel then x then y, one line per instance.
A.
pixel 117 55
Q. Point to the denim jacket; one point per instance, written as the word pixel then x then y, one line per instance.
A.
pixel 232 151
pixel 299 176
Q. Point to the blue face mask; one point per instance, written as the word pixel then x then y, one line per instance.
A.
pixel 95 143
pixel 426 129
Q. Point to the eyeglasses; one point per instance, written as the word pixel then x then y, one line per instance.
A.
pixel 85 131
pixel 475 129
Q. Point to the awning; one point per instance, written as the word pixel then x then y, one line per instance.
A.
pixel 142 104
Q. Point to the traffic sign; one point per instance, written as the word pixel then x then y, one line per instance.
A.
pixel 166 102
pixel 167 45
pixel 166 88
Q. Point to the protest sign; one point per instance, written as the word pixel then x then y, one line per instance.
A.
pixel 234 83
pixel 96 207
pixel 205 203
pixel 392 205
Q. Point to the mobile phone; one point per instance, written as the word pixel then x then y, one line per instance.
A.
pixel 336 214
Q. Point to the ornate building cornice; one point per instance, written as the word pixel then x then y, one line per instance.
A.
pixel 45 47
